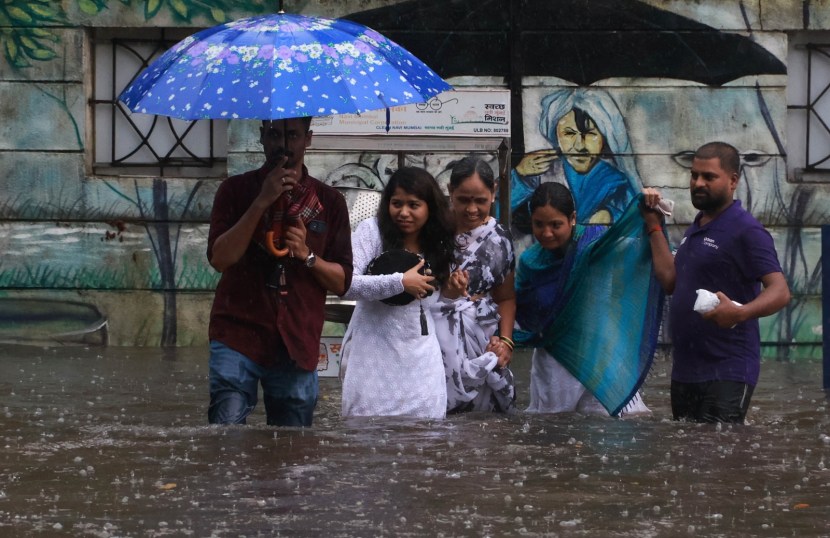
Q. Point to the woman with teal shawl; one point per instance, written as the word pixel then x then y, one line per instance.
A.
pixel 588 301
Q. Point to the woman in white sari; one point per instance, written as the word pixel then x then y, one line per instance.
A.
pixel 475 313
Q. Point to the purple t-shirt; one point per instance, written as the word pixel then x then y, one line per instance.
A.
pixel 729 254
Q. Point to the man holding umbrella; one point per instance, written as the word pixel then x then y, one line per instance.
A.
pixel 267 316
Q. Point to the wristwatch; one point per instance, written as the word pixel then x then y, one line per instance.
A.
pixel 310 260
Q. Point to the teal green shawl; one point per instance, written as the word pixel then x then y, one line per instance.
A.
pixel 596 307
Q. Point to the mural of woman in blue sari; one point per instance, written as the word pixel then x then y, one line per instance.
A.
pixel 591 153
pixel 589 305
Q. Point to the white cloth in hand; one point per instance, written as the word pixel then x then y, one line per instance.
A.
pixel 707 301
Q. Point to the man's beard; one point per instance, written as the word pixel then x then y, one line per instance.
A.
pixel 706 202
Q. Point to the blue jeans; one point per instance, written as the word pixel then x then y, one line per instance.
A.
pixel 289 392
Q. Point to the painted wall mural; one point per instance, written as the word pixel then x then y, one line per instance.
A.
pixel 28 35
pixel 571 42
pixel 153 224
pixel 646 81
pixel 590 151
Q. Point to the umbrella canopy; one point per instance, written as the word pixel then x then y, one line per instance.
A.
pixel 281 66
pixel 575 40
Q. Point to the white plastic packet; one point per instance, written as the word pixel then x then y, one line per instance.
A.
pixel 666 207
pixel 707 301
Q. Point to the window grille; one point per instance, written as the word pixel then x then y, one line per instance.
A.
pixel 809 111
pixel 142 144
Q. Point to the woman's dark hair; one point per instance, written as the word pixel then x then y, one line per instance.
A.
pixel 468 166
pixel 553 194
pixel 437 237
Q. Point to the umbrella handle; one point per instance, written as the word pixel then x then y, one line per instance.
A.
pixel 271 239
pixel 274 237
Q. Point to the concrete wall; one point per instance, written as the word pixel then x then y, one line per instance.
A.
pixel 133 247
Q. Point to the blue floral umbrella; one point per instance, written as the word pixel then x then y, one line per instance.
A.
pixel 281 66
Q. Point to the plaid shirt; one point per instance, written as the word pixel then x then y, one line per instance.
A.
pixel 254 319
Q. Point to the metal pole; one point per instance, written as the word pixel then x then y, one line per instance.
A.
pixel 825 302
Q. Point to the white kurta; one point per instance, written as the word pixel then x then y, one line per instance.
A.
pixel 388 367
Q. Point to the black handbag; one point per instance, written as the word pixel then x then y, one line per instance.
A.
pixel 397 261
pixel 400 261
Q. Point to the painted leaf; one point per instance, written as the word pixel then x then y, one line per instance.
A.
pixel 88 6
pixel 42 54
pixel 180 7
pixel 28 42
pixel 11 49
pixel 217 14
pixel 151 7
pixel 18 14
pixel 13 54
pixel 44 34
pixel 43 11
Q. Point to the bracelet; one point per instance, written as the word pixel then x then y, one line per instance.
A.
pixel 508 342
pixel 653 229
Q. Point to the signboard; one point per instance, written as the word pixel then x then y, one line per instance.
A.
pixel 329 365
pixel 453 113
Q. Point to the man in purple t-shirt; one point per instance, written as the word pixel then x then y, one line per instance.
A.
pixel 717 355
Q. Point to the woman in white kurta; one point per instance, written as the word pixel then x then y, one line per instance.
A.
pixel 388 365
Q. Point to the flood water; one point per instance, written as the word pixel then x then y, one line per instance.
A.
pixel 114 442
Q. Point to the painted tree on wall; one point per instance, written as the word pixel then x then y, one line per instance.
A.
pixel 27 36
pixel 164 237
pixel 25 24
pixel 22 31
pixel 185 10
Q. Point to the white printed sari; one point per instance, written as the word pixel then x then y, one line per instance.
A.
pixel 464 325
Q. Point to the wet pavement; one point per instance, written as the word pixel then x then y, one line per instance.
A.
pixel 114 442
